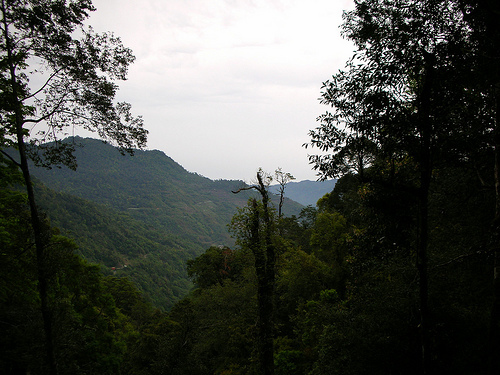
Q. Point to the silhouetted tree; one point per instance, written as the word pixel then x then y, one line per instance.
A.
pixel 260 242
pixel 77 89
pixel 397 104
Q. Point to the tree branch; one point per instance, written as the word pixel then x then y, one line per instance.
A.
pixel 456 259
pixel 11 158
pixel 55 110
pixel 245 188
pixel 44 85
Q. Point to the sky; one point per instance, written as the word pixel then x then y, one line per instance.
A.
pixel 228 86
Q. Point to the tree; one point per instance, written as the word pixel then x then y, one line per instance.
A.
pixel 483 16
pixel 89 331
pixel 76 88
pixel 282 178
pixel 260 242
pixel 216 265
pixel 328 242
pixel 397 104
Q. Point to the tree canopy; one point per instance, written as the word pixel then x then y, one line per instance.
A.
pixel 52 80
pixel 413 102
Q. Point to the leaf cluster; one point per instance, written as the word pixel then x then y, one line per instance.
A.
pixel 54 80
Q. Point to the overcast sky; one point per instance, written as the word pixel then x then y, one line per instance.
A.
pixel 228 86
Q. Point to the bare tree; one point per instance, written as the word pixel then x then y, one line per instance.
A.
pixel 282 178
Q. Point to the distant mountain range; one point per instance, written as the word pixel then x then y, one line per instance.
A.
pixel 306 192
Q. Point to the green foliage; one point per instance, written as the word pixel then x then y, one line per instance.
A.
pixel 154 261
pixel 288 362
pixel 145 212
pixel 211 332
pixel 328 237
pixel 369 332
pixel 77 86
pixel 100 322
pixel 216 265
pixel 89 330
pixel 153 189
pixel 303 277
pixel 350 304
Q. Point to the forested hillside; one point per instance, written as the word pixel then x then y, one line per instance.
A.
pixel 123 246
pixel 153 189
pixel 143 215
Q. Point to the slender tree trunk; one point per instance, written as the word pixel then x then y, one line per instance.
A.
pixel 268 290
pixel 422 267
pixel 491 12
pixel 423 211
pixel 494 345
pixel 35 218
pixel 264 255
pixel 40 260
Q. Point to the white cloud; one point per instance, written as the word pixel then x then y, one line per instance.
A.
pixel 227 86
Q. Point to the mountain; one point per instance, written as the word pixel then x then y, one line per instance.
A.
pixel 306 192
pixel 144 215
pixel 154 189
pixel 155 261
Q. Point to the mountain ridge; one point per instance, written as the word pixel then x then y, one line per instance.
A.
pixel 306 192
pixel 153 188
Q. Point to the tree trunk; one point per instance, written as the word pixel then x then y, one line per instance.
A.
pixel 35 218
pixel 491 11
pixel 268 288
pixel 40 260
pixel 264 255
pixel 494 345
pixel 423 209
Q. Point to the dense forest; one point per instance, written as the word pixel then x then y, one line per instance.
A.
pixel 143 215
pixel 393 272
